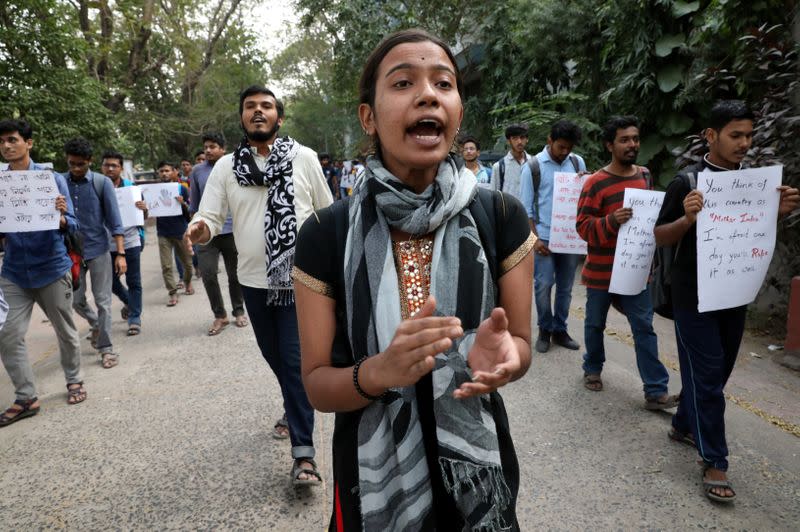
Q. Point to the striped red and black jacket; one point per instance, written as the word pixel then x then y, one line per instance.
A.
pixel 602 194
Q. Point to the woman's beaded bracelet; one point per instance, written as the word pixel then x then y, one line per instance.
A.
pixel 360 390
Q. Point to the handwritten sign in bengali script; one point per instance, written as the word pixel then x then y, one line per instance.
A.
pixel 735 235
pixel 563 236
pixel 160 199
pixel 636 243
pixel 28 201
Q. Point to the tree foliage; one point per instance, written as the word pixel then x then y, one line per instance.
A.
pixel 145 77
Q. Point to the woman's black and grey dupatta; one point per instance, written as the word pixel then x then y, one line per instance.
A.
pixel 280 222
pixel 394 480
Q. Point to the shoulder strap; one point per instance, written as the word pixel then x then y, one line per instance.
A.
pixel 97 183
pixel 502 169
pixel 536 180
pixel 692 177
pixel 484 213
pixel 648 177
pixel 575 164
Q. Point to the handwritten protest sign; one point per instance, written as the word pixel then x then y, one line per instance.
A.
pixel 28 201
pixel 636 243
pixel 563 236
pixel 160 198
pixel 735 235
pixel 129 212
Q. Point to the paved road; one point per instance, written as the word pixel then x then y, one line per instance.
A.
pixel 178 437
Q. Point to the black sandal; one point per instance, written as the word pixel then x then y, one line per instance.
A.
pixel 26 411
pixel 79 394
pixel 297 471
pixel 681 437
pixel 277 431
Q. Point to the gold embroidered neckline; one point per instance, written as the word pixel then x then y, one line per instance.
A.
pixel 413 263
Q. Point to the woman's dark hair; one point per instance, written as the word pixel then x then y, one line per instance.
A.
pixel 617 122
pixel 566 130
pixel 259 89
pixel 79 147
pixel 17 126
pixel 724 112
pixel 369 76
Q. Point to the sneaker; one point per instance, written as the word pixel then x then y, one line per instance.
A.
pixel 543 342
pixel 565 340
pixel 663 402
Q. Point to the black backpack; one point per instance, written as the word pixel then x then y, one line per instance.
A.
pixel 664 260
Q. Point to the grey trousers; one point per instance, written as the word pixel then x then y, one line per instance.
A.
pixel 208 261
pixel 56 301
pixel 102 271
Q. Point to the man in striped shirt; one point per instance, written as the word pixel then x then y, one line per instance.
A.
pixel 600 215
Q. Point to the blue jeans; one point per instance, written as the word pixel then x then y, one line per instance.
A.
pixel 132 294
pixel 277 337
pixel 639 311
pixel 708 343
pixel 555 269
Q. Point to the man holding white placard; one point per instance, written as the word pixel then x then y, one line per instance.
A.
pixel 170 231
pixel 537 188
pixel 600 216
pixel 131 296
pixel 708 342
pixel 36 269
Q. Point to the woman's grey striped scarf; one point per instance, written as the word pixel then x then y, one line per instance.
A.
pixel 280 222
pixel 394 479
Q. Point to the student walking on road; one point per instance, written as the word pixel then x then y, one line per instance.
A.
pixel 414 301
pixel 130 295
pixel 98 216
pixel 600 215
pixel 708 342
pixel 537 185
pixel 270 185
pixel 170 231
pixel 36 270
pixel 222 244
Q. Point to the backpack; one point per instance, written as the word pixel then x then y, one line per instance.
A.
pixel 664 260
pixel 483 211
pixel 536 178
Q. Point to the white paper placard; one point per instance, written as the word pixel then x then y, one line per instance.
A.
pixel 126 199
pixel 636 243
pixel 28 201
pixel 160 199
pixel 736 232
pixel 566 192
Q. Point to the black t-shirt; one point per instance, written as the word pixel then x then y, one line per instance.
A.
pixel 317 257
pixel 684 270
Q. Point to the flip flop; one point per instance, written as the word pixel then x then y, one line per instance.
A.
pixel 216 329
pixel 681 437
pixel 134 329
pixel 109 360
pixel 173 300
pixel 189 291
pixel 241 321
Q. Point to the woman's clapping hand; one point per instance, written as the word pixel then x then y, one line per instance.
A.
pixel 494 357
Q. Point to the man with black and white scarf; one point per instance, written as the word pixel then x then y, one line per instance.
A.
pixel 271 185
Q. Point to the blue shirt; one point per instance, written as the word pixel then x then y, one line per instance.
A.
pixel 38 258
pixel 174 226
pixel 95 214
pixel 197 184
pixel 547 169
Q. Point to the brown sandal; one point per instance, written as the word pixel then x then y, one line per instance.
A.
pixel 76 395
pixel 593 382
pixel 109 360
